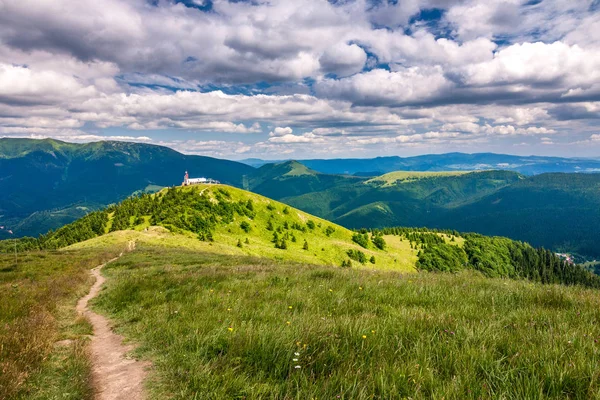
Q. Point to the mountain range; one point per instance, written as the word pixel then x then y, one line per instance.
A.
pixel 45 184
pixel 527 165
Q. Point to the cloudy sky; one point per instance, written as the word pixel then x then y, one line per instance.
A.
pixel 305 78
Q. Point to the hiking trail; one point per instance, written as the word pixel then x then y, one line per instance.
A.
pixel 115 375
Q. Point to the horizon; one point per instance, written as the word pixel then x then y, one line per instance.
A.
pixel 306 79
pixel 281 160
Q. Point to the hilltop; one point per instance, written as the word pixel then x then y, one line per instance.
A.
pixel 226 220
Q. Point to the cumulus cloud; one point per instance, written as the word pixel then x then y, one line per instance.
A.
pixel 279 76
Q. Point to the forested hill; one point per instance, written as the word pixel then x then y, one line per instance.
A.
pixel 228 220
pixel 47 183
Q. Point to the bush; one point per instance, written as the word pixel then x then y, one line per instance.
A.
pixel 329 230
pixel 362 239
pixel 357 255
pixel 310 224
pixel 379 242
pixel 245 226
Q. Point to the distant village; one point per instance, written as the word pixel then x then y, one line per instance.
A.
pixel 187 181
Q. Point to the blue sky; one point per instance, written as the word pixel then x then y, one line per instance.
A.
pixel 305 78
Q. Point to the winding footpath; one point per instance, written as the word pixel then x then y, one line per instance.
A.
pixel 115 376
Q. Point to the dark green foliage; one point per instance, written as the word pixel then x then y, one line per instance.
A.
pixel 305 245
pixel 239 243
pixel 310 224
pixel 245 226
pixel 442 257
pixel 85 228
pixel 372 260
pixel 346 264
pixel 269 225
pixel 298 227
pixel 286 210
pixel 270 207
pixel 357 255
pixel 502 257
pixel 250 205
pixel 329 230
pixel 247 241
pixel 362 239
pixel 378 241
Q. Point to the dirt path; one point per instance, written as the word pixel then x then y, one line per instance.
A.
pixel 115 375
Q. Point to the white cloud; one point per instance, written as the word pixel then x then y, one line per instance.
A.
pixel 73 69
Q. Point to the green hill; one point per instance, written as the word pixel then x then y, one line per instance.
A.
pixel 53 177
pixel 227 220
pixel 225 303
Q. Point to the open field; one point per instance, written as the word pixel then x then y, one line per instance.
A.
pixel 234 326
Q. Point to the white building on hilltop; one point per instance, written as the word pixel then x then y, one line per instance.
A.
pixel 195 181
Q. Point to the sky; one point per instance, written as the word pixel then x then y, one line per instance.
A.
pixel 282 79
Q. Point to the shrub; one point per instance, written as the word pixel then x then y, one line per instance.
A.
pixel 245 226
pixel 379 242
pixel 362 239
pixel 357 255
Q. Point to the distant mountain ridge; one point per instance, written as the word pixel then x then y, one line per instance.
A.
pixel 527 165
pixel 49 176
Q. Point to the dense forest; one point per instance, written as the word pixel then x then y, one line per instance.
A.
pixel 493 256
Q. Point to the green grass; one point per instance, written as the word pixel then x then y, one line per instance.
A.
pixel 37 311
pixel 399 177
pixel 234 326
pixel 323 248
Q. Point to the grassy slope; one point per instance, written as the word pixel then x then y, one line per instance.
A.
pixel 323 249
pixel 219 326
pixel 37 310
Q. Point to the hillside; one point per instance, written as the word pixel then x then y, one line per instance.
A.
pixel 54 178
pixel 226 220
pixel 558 211
pixel 230 294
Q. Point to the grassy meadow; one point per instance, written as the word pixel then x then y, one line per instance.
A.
pixel 235 326
pixel 42 340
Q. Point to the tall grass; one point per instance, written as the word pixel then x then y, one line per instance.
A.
pixel 36 310
pixel 240 327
